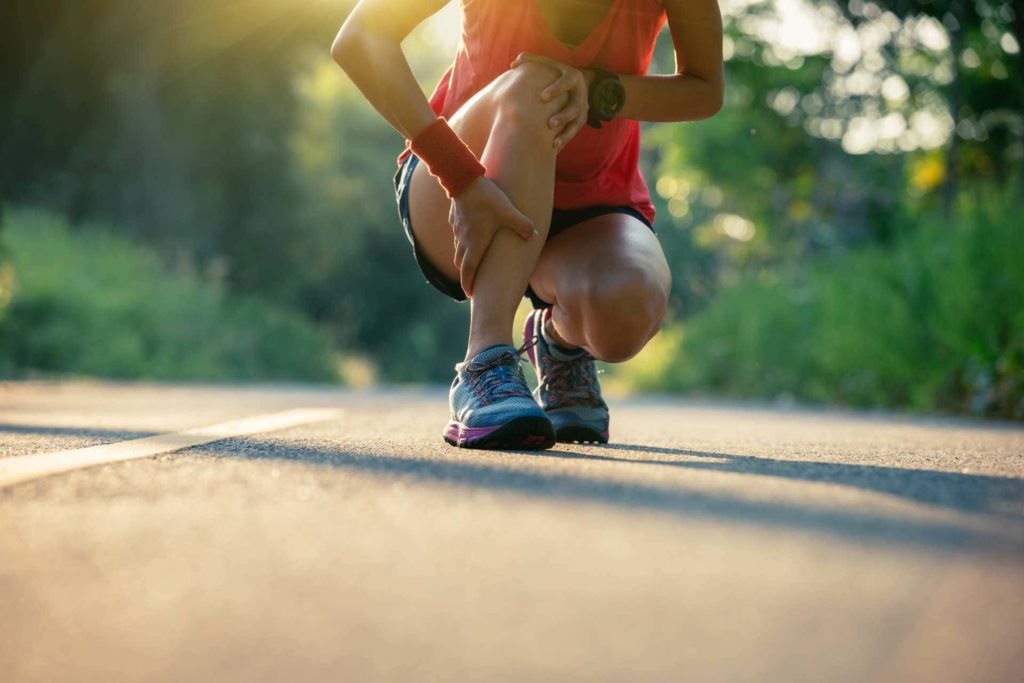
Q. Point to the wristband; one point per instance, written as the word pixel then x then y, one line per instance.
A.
pixel 447 157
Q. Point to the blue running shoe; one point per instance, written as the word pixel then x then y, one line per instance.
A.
pixel 491 406
pixel 567 386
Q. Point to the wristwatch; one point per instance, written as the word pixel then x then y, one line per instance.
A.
pixel 606 97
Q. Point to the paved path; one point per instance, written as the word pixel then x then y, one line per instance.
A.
pixel 705 544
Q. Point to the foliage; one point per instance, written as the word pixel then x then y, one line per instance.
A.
pixel 221 136
pixel 224 136
pixel 86 301
pixel 829 141
pixel 933 322
pixel 353 267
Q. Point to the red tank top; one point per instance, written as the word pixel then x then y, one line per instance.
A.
pixel 598 166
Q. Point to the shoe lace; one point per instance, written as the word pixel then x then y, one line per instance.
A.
pixel 573 380
pixel 499 377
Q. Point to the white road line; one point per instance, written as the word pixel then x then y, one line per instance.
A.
pixel 16 469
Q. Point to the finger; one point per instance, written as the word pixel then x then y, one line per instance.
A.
pixel 467 272
pixel 565 83
pixel 460 254
pixel 572 126
pixel 578 95
pixel 575 107
pixel 524 57
pixel 568 115
pixel 516 221
pixel 567 134
pixel 567 78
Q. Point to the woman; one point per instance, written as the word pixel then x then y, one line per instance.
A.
pixel 520 174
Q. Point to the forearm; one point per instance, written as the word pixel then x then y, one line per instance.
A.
pixel 378 67
pixel 676 97
pixel 695 91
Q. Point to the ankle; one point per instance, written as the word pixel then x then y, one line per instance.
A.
pixel 475 346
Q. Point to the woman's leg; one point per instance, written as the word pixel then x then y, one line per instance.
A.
pixel 506 125
pixel 609 283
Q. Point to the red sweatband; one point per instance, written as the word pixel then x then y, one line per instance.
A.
pixel 447 157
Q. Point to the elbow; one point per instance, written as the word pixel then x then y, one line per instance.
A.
pixel 342 47
pixel 714 106
pixel 348 44
pixel 700 98
pixel 716 98
pixel 359 40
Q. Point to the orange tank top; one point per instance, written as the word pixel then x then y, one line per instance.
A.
pixel 598 166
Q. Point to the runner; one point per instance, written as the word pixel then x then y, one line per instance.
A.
pixel 520 175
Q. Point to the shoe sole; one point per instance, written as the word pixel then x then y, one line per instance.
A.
pixel 580 434
pixel 528 433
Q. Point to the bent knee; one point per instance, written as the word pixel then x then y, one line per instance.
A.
pixel 623 311
pixel 517 94
pixel 529 78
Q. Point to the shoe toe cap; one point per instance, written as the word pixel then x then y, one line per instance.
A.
pixel 500 413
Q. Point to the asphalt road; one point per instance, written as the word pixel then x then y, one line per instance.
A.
pixel 705 544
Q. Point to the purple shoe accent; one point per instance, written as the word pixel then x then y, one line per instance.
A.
pixel 461 434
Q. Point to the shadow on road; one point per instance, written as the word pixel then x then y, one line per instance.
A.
pixel 996 496
pixel 999 499
pixel 990 496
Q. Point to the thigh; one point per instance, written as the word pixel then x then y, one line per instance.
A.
pixel 474 121
pixel 598 251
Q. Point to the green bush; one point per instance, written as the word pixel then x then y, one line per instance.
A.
pixel 87 302
pixel 934 321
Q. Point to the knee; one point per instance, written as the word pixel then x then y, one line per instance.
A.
pixel 517 96
pixel 623 311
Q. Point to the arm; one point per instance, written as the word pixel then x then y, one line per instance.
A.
pixel 695 91
pixel 369 49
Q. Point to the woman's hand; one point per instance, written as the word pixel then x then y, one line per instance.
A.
pixel 571 80
pixel 476 214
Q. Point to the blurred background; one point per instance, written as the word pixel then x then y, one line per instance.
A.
pixel 192 190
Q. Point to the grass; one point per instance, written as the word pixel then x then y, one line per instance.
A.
pixel 934 322
pixel 83 301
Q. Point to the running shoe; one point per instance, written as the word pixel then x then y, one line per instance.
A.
pixel 567 386
pixel 491 406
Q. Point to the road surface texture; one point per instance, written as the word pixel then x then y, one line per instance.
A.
pixel 705 544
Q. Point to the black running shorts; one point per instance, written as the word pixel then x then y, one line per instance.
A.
pixel 561 219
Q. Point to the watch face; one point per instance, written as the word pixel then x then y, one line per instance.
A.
pixel 609 96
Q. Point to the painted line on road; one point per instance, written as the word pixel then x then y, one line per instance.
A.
pixel 16 469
